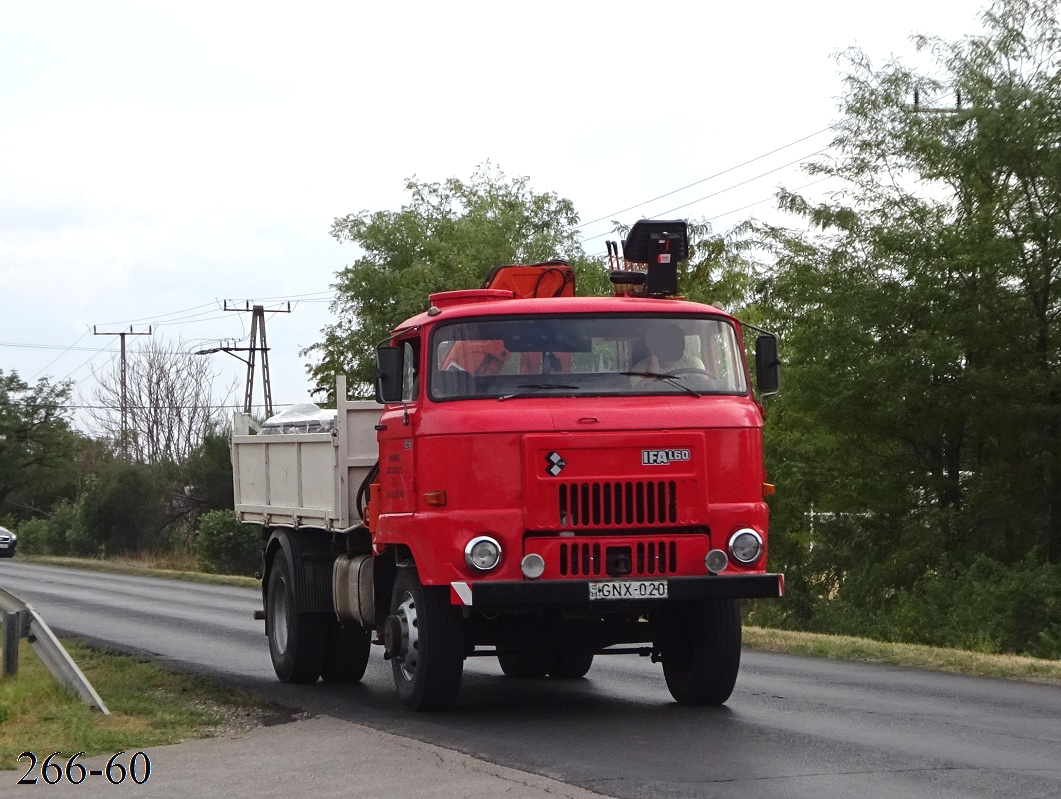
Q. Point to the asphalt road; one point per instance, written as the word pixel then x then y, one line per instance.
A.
pixel 795 727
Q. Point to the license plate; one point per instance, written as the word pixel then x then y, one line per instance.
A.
pixel 3 546
pixel 629 589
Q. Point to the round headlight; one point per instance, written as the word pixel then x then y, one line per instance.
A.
pixel 716 561
pixel 482 553
pixel 746 546
pixel 532 565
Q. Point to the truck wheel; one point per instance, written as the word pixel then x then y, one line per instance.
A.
pixel 570 667
pixel 348 649
pixel 700 648
pixel 425 641
pixel 297 641
pixel 524 665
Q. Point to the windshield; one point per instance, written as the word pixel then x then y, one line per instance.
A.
pixel 574 355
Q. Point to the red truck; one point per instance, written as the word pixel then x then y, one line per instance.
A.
pixel 552 478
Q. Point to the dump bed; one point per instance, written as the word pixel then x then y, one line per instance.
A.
pixel 305 479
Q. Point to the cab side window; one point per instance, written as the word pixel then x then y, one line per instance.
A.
pixel 411 375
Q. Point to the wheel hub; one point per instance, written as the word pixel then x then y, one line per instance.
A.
pixel 401 637
pixel 279 621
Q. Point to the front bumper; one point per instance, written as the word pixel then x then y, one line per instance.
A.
pixel 530 595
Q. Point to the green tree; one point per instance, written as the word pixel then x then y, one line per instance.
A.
pixel 448 236
pixel 921 416
pixel 207 474
pixel 37 445
pixel 123 509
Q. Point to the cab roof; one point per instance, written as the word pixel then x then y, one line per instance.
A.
pixel 485 302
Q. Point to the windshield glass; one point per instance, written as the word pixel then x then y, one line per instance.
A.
pixel 573 355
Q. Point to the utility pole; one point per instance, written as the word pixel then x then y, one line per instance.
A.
pixel 257 344
pixel 125 405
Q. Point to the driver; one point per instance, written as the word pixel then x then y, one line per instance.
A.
pixel 666 347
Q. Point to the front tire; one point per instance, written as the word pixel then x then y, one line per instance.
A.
pixel 297 641
pixel 425 642
pixel 700 647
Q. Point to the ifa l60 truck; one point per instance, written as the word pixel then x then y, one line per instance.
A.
pixel 543 478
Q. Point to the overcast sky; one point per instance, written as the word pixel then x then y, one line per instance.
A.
pixel 158 158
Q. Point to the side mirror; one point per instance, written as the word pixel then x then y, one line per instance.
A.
pixel 767 373
pixel 389 374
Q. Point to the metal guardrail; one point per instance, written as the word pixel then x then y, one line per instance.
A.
pixel 22 621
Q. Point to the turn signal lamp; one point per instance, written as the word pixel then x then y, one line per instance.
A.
pixel 435 498
pixel 532 566
pixel 716 561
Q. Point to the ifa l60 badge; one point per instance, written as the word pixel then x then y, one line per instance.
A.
pixel 661 457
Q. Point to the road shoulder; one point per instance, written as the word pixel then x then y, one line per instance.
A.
pixel 322 757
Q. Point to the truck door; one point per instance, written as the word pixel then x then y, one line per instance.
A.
pixel 396 453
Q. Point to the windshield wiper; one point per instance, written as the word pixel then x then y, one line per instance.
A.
pixel 672 379
pixel 530 388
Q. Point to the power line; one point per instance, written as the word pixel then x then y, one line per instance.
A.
pixel 743 207
pixel 745 182
pixel 723 191
pixel 160 316
pixel 60 355
pixel 189 321
pixel 719 174
pixel 70 348
pixel 704 180
pixel 91 358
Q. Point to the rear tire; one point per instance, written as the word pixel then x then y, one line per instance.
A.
pixel 700 647
pixel 570 667
pixel 425 640
pixel 348 650
pixel 525 665
pixel 297 641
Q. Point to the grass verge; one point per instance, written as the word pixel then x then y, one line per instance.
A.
pixel 140 568
pixel 149 705
pixel 917 656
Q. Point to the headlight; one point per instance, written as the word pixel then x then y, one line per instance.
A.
pixel 482 553
pixel 746 546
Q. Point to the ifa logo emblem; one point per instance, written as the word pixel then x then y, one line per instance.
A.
pixel 661 457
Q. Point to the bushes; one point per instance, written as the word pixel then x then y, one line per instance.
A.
pixel 33 537
pixel 225 546
pixel 62 533
pixel 984 606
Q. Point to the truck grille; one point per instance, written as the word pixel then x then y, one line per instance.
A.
pixel 635 554
pixel 642 502
pixel 648 557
